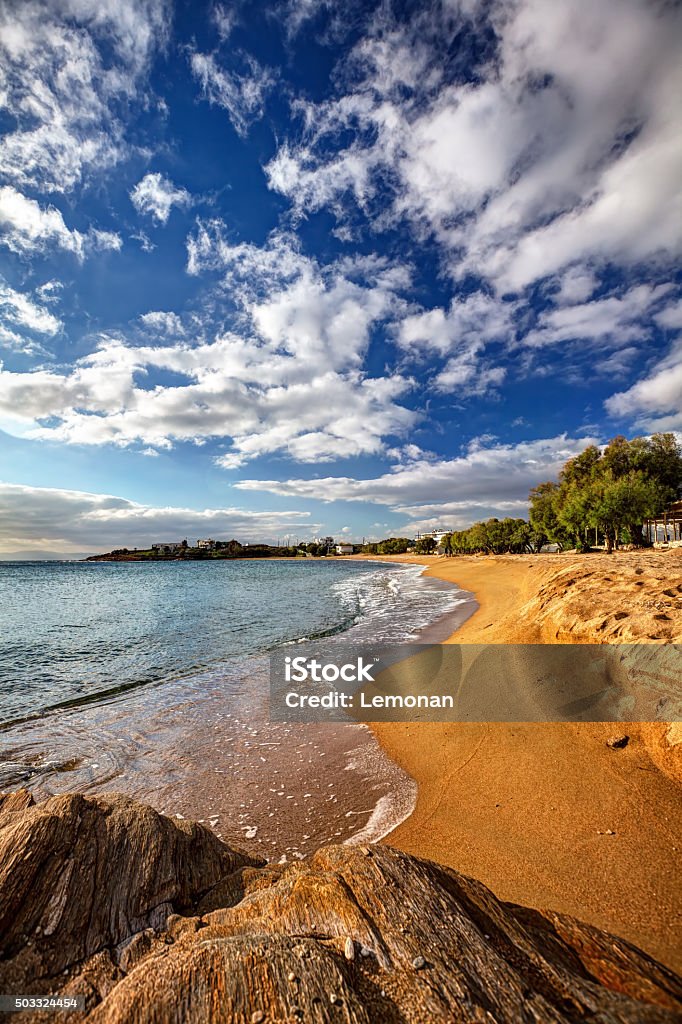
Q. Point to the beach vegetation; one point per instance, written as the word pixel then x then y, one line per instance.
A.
pixel 393 546
pixel 603 496
pixel 314 547
pixel 494 537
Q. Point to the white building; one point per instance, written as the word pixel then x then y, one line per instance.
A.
pixel 166 548
pixel 438 536
pixel 206 545
pixel 344 549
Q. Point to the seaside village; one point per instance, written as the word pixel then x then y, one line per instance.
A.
pixel 661 532
pixel 433 542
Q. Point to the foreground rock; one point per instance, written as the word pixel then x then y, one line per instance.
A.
pixel 157 920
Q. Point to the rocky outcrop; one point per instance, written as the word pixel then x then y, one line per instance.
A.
pixel 82 875
pixel 152 919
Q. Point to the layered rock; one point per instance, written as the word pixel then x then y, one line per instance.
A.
pixel 152 919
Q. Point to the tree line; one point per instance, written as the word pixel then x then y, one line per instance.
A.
pixel 601 497
pixel 494 536
pixel 605 496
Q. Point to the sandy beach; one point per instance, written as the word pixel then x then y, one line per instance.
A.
pixel 547 814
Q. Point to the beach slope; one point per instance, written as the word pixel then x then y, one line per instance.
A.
pixel 549 814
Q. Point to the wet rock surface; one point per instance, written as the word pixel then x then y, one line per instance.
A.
pixel 152 919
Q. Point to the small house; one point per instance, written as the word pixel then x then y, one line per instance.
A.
pixel 665 530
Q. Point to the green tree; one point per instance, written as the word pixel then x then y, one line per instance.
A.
pixel 522 536
pixel 580 469
pixel 620 503
pixel 611 492
pixel 575 510
pixel 660 457
pixel 393 546
pixel 545 501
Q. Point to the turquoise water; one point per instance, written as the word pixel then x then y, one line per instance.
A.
pixel 152 679
pixel 72 631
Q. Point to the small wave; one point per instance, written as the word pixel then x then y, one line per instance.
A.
pixel 390 811
pixel 396 602
pixel 321 634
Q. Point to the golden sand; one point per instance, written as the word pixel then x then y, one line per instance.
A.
pixel 547 814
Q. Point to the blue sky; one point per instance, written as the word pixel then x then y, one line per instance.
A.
pixel 310 267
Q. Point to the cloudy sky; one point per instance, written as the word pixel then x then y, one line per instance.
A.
pixel 309 267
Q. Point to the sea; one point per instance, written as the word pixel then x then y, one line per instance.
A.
pixel 151 679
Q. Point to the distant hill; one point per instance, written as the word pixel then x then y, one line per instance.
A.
pixel 222 550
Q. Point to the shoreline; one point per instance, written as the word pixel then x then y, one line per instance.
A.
pixel 237 771
pixel 546 814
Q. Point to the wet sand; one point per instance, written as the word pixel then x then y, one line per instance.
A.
pixel 547 814
pixel 203 750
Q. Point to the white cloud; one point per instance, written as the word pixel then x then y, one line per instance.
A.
pixel 487 480
pixel 469 323
pixel 295 13
pixel 616 364
pixel 64 520
pixel 162 322
pixel 616 320
pixel 242 96
pixel 466 378
pixel 259 268
pixel 565 150
pixel 313 317
pixel 292 381
pixel 604 171
pixel 577 284
pixel 462 334
pixel 68 73
pixel 24 312
pixel 224 19
pixel 155 195
pixel 655 402
pixel 458 515
pixel 27 228
pixel 50 290
pixel 146 243
pixel 671 317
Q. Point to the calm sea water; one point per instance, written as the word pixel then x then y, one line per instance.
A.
pixel 152 679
